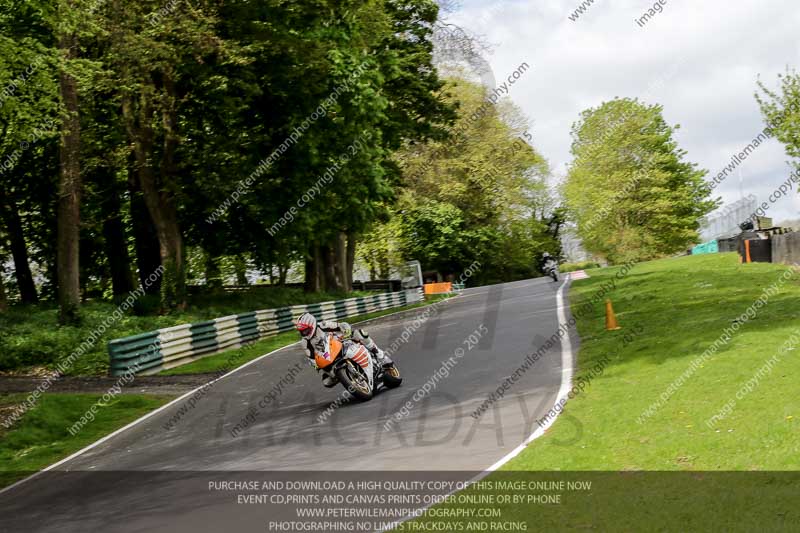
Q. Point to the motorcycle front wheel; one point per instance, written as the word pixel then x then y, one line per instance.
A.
pixel 354 380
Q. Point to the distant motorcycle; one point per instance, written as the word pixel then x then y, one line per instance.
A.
pixel 351 364
pixel 551 269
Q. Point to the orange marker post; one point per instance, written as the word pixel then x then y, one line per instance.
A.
pixel 611 318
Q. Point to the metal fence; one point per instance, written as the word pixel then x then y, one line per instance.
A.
pixel 724 222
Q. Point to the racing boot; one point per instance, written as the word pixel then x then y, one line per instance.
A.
pixel 379 355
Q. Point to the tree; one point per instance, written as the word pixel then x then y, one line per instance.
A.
pixel 150 55
pixel 28 108
pixel 69 186
pixel 3 299
pixel 477 195
pixel 781 112
pixel 628 188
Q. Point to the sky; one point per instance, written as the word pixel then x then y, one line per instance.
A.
pixel 700 59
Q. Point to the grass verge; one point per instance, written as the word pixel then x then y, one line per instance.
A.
pixel 671 312
pixel 41 437
pixel 664 438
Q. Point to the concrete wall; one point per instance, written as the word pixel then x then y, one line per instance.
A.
pixel 786 248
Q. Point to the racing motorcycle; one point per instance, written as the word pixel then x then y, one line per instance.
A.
pixel 552 270
pixel 352 365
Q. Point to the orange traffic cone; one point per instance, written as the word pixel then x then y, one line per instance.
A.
pixel 611 318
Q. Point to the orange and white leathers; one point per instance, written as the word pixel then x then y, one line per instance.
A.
pixel 315 342
pixel 326 348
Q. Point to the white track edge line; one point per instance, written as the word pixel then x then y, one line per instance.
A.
pixel 176 400
pixel 563 392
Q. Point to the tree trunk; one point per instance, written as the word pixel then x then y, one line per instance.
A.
pixel 313 281
pixel 160 203
pixel 69 193
pixel 116 243
pixel 350 260
pixel 213 273
pixel 240 266
pixel 331 267
pixel 282 271
pixel 383 265
pixel 148 257
pixel 340 262
pixel 3 300
pixel 19 251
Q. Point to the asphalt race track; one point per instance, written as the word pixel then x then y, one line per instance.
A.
pixel 150 478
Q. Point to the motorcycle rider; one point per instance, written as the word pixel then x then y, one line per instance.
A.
pixel 313 333
pixel 549 263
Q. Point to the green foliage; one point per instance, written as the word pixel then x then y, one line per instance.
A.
pixel 781 112
pixel 479 195
pixel 580 265
pixel 629 190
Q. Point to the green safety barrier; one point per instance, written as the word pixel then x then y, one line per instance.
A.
pixel 159 350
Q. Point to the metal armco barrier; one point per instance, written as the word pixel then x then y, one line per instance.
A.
pixel 170 347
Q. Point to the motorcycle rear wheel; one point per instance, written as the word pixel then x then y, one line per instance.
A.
pixel 391 377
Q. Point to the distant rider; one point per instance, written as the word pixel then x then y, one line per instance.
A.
pixel 314 335
pixel 549 262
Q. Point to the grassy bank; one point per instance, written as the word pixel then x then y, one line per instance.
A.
pixel 41 437
pixel 31 337
pixel 707 455
pixel 672 311
pixel 232 358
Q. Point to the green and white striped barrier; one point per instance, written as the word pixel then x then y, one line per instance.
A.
pixel 167 348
